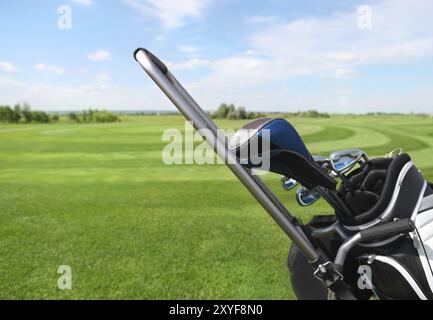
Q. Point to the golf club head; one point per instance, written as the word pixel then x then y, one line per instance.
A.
pixel 394 153
pixel 306 197
pixel 344 160
pixel 322 161
pixel 288 183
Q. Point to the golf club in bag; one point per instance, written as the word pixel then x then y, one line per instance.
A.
pixel 377 242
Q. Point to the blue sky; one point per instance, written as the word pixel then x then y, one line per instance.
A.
pixel 276 55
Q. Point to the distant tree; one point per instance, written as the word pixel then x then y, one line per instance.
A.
pixel 24 114
pixel 91 115
pixel 253 115
pixel 94 115
pixel 16 114
pixel 40 117
pixel 242 113
pixel 223 111
pixel 27 113
pixel 74 117
pixel 6 114
pixel 232 115
pixel 229 111
pixel 105 116
pixel 84 117
pixel 310 114
pixel 55 117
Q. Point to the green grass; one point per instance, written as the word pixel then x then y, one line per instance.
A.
pixel 98 198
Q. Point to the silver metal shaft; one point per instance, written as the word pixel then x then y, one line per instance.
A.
pixel 192 112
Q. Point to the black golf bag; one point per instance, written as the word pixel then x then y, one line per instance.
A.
pixel 395 267
pixel 378 243
pixel 381 236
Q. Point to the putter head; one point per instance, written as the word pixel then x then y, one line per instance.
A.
pixel 344 160
pixel 288 183
pixel 306 197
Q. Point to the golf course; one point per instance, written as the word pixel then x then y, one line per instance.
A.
pixel 98 198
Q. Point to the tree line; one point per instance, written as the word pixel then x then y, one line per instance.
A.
pixel 310 114
pixel 24 114
pixel 94 116
pixel 231 112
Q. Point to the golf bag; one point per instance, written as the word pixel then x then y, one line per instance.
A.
pixel 383 214
pixel 378 238
pixel 398 266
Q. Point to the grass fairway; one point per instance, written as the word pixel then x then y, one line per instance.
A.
pixel 98 198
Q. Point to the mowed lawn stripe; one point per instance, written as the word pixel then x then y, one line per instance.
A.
pixel 100 199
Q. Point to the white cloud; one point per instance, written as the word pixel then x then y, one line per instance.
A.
pixel 188 49
pixel 10 82
pixel 93 88
pixel 401 32
pixel 341 74
pixel 171 13
pixel 8 67
pixel 343 57
pixel 189 64
pixel 83 2
pixel 331 46
pixel 328 47
pixel 244 70
pixel 49 68
pixel 249 52
pixel 103 77
pixel 260 19
pixel 98 95
pixel 101 55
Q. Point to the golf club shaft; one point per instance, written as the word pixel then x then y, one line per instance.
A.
pixel 214 128
pixel 192 112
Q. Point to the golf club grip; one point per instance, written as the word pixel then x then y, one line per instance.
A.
pixel 387 230
pixel 161 66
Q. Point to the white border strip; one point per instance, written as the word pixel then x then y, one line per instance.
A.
pixel 419 203
pixel 422 252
